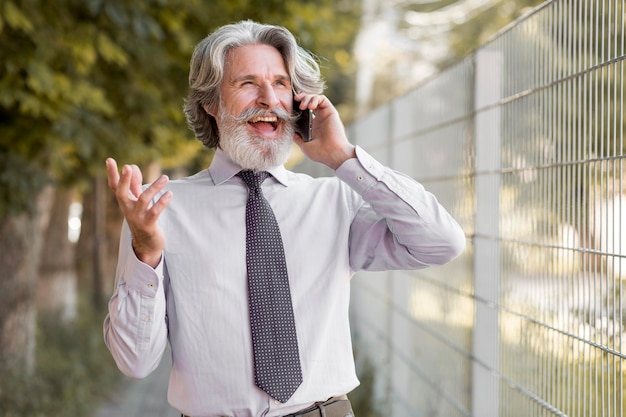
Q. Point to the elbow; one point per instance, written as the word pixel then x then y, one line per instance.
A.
pixel 135 373
pixel 133 368
pixel 443 249
pixel 132 363
pixel 457 245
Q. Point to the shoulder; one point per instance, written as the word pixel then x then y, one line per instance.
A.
pixel 326 188
pixel 299 178
pixel 202 178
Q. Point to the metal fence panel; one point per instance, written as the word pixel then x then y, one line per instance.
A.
pixel 523 142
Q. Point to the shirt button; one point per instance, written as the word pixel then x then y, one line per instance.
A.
pixel 360 178
pixel 151 285
pixel 276 402
pixel 146 318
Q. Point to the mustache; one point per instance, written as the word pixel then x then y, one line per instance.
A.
pixel 251 113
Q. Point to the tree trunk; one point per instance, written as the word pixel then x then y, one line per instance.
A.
pixel 56 290
pixel 96 253
pixel 20 246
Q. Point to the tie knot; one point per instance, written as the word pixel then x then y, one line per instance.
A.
pixel 253 179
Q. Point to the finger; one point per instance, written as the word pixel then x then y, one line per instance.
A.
pixel 112 173
pixel 318 102
pixel 148 195
pixel 305 100
pixel 314 102
pixel 153 213
pixel 136 180
pixel 299 97
pixel 122 191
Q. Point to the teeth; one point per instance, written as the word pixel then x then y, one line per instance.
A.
pixel 269 119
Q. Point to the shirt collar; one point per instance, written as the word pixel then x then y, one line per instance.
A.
pixel 223 168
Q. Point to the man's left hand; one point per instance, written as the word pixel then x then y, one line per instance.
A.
pixel 330 145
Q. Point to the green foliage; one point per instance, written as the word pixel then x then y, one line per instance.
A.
pixel 469 32
pixel 73 367
pixel 81 80
pixel 468 35
pixel 19 181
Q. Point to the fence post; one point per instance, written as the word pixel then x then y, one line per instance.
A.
pixel 485 393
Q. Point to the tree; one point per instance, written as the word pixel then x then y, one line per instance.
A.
pixel 405 42
pixel 81 80
pixel 478 28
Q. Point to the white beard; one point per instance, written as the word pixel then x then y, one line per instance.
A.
pixel 254 152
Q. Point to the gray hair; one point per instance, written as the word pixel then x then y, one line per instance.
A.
pixel 207 70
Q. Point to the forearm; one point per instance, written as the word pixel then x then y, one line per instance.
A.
pixel 135 329
pixel 401 226
pixel 337 157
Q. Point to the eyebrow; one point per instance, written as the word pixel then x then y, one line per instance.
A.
pixel 249 77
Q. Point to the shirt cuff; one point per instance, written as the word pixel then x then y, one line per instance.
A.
pixel 142 277
pixel 360 173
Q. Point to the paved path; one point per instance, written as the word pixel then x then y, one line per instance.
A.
pixel 141 398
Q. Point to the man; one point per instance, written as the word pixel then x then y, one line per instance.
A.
pixel 183 274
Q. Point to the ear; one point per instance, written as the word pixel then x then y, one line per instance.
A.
pixel 209 110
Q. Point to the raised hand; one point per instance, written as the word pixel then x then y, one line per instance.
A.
pixel 138 209
pixel 330 145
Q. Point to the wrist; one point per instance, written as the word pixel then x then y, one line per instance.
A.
pixel 149 257
pixel 341 155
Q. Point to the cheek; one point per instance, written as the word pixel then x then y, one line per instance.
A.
pixel 234 102
pixel 286 99
pixel 288 105
pixel 240 104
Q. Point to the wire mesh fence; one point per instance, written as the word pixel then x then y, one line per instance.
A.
pixel 523 141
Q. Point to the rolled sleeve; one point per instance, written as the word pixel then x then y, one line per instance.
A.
pixel 400 225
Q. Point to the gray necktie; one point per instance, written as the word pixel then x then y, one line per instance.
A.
pixel 274 341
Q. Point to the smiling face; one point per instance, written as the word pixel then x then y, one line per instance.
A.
pixel 253 117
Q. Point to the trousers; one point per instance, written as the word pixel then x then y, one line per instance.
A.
pixel 333 407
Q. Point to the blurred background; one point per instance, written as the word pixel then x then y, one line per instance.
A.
pixel 84 80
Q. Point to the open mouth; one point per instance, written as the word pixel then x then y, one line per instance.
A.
pixel 265 124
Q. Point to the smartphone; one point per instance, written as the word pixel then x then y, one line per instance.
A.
pixel 304 124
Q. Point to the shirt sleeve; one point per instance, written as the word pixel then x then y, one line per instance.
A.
pixel 400 225
pixel 135 330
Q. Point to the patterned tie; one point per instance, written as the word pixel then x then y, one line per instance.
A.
pixel 274 341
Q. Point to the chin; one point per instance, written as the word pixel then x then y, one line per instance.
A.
pixel 260 154
pixel 255 151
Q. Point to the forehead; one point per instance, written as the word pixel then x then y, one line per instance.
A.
pixel 254 60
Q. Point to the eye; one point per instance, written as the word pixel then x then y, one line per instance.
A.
pixel 282 82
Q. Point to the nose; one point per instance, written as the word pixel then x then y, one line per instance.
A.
pixel 267 96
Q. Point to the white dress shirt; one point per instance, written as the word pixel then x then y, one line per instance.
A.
pixel 367 217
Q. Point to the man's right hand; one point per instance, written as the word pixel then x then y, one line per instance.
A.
pixel 136 205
